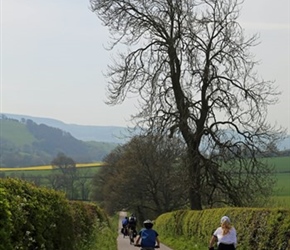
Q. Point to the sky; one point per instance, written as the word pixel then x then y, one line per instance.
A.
pixel 53 58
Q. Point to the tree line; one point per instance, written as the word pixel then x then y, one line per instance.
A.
pixel 149 175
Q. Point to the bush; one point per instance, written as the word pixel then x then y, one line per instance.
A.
pixel 5 222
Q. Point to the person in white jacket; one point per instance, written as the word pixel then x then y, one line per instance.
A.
pixel 225 236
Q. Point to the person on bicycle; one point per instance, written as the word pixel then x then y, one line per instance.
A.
pixel 125 223
pixel 132 224
pixel 148 237
pixel 225 236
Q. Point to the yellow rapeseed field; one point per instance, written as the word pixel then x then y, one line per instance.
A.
pixel 49 167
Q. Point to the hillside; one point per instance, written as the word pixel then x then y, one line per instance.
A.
pixel 112 134
pixel 26 143
pixel 27 140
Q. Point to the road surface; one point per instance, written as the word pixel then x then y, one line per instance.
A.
pixel 124 243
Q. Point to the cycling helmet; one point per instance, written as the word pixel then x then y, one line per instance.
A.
pixel 148 224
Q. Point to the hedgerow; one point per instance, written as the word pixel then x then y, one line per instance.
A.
pixel 39 218
pixel 257 228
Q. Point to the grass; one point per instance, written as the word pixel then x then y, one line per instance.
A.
pixel 18 134
pixel 282 164
pixel 283 184
pixel 282 190
pixel 104 238
pixel 182 243
pixel 279 202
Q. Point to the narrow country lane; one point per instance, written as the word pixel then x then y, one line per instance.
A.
pixel 124 243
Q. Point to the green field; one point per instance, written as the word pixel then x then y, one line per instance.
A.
pixel 281 196
pixel 283 184
pixel 88 171
pixel 282 166
pixel 16 132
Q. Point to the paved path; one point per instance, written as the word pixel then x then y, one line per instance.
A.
pixel 124 243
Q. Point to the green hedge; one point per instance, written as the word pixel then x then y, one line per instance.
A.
pixel 5 221
pixel 40 218
pixel 92 227
pixel 257 229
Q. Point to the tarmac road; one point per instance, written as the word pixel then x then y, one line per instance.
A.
pixel 124 243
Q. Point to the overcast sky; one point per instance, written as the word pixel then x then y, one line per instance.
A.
pixel 53 59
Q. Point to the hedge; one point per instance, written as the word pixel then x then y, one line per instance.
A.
pixel 39 218
pixel 257 228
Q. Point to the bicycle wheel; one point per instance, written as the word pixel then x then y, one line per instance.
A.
pixel 131 236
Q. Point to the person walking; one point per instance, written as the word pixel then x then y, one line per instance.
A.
pixel 225 236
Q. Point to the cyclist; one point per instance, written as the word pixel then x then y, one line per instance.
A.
pixel 125 223
pixel 148 237
pixel 132 224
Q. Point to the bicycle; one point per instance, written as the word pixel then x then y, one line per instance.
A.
pixel 124 231
pixel 146 248
pixel 131 236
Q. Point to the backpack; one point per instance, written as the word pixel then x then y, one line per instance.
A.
pixel 132 220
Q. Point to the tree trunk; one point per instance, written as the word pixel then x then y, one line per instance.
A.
pixel 194 181
pixel 194 198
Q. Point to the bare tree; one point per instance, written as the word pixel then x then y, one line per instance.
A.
pixel 67 166
pixel 191 64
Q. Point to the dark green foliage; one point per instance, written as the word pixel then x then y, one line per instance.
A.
pixel 5 222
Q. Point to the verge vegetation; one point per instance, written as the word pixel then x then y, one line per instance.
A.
pixel 40 218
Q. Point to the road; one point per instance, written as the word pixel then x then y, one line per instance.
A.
pixel 124 243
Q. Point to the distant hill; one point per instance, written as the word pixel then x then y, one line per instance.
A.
pixel 27 140
pixel 112 134
pixel 284 144
pixel 26 143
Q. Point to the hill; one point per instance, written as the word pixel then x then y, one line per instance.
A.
pixel 112 134
pixel 26 143
pixel 27 140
